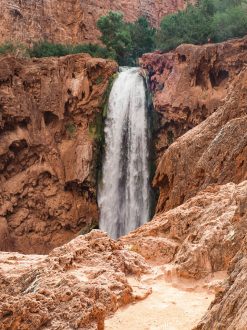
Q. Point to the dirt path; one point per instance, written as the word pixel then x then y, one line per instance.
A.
pixel 167 308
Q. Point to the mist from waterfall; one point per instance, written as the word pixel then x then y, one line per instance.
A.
pixel 123 194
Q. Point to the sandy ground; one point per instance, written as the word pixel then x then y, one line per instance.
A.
pixel 163 302
pixel 169 307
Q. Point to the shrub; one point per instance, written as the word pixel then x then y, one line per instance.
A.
pixel 47 49
pixel 229 24
pixel 7 48
pixel 215 20
pixel 15 49
pixel 71 129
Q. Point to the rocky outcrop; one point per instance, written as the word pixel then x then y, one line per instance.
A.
pixel 198 238
pixel 75 287
pixel 49 114
pixel 189 84
pixel 229 310
pixel 213 152
pixel 72 21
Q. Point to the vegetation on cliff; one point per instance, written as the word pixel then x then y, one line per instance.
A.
pixel 208 21
pixel 46 49
pixel 127 41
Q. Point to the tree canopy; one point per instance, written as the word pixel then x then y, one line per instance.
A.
pixel 214 20
pixel 127 40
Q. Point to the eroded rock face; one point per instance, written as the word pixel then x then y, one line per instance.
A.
pixel 75 287
pixel 201 221
pixel 199 237
pixel 189 84
pixel 72 21
pixel 48 111
pixel 229 310
pixel 213 152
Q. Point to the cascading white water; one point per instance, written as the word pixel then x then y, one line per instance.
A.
pixel 123 195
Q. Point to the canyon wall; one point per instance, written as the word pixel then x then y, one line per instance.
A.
pixel 72 21
pixel 200 222
pixel 49 115
pixel 189 84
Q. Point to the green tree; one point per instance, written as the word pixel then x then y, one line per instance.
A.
pixel 229 24
pixel 216 20
pixel 142 37
pixel 127 40
pixel 190 26
pixel 116 36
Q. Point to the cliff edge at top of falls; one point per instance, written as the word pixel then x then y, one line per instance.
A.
pixel 49 112
pixel 72 21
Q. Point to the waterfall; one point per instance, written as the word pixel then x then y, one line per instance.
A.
pixel 123 195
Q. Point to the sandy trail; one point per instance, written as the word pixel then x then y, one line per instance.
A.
pixel 167 308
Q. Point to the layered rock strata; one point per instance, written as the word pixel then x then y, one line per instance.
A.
pixel 49 114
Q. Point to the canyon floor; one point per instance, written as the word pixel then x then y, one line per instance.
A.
pixel 160 300
pixel 171 305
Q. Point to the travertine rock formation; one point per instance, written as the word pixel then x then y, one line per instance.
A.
pixel 189 84
pixel 199 237
pixel 47 194
pixel 213 152
pixel 229 310
pixel 204 171
pixel 72 21
pixel 48 114
pixel 75 287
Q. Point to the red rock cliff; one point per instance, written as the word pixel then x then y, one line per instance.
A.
pixel 47 155
pixel 72 21
pixel 189 84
